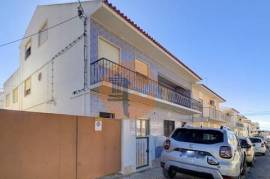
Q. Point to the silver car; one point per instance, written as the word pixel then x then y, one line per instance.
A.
pixel 203 152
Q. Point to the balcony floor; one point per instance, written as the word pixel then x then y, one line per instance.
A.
pixel 107 88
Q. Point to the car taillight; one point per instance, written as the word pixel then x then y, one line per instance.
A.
pixel 211 160
pixel 225 152
pixel 167 144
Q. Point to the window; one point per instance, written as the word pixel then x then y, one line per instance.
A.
pixel 43 34
pixel 169 126
pixel 212 102
pixel 198 136
pixel 255 140
pixel 107 115
pixel 142 127
pixel 39 76
pixel 27 86
pixel 141 67
pixel 232 139
pixel 27 50
pixel 7 100
pixel 15 95
pixel 108 51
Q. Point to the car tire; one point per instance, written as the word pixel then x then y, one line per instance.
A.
pixel 169 173
pixel 244 167
pixel 250 164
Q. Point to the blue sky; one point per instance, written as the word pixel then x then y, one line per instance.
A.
pixel 226 42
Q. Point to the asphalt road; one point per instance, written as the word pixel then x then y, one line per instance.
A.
pixel 261 169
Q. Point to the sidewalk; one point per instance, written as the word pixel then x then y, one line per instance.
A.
pixel 151 173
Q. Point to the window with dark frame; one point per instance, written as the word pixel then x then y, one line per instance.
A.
pixel 212 102
pixel 107 115
pixel 169 126
pixel 27 52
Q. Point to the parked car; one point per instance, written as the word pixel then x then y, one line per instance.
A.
pixel 204 152
pixel 268 143
pixel 259 145
pixel 248 150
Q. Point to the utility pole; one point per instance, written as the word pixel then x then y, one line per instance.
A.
pixel 83 16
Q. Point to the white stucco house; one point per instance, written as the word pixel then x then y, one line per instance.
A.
pixel 126 75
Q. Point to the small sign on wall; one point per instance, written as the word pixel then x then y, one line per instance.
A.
pixel 98 125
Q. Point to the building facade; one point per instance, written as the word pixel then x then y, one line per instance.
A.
pixel 124 74
pixel 212 115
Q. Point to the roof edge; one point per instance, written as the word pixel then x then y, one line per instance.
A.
pixel 224 100
pixel 112 7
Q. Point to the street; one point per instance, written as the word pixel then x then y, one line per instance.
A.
pixel 261 170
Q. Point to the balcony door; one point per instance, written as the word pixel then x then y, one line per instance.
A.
pixel 174 87
pixel 108 68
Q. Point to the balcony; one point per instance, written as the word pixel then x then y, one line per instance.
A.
pixel 210 114
pixel 107 75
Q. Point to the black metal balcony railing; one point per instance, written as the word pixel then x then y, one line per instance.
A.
pixel 120 76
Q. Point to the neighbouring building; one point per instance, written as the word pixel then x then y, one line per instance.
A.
pixel 212 115
pixel 255 127
pixel 2 100
pixel 264 133
pixel 124 74
pixel 231 118
pixel 248 126
pixel 241 126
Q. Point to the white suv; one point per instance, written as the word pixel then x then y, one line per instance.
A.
pixel 259 145
pixel 204 152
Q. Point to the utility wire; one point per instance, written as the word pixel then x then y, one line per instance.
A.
pixel 51 27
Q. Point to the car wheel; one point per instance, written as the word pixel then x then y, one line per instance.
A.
pixel 250 164
pixel 244 167
pixel 169 173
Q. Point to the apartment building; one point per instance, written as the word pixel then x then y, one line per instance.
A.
pixel 255 127
pixel 212 115
pixel 247 125
pixel 242 126
pixel 125 74
pixel 231 116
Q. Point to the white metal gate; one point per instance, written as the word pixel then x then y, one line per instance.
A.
pixel 142 152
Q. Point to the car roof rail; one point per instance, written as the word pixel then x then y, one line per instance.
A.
pixel 225 128
pixel 187 126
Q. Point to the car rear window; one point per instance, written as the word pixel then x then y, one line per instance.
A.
pixel 255 140
pixel 198 136
pixel 243 142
